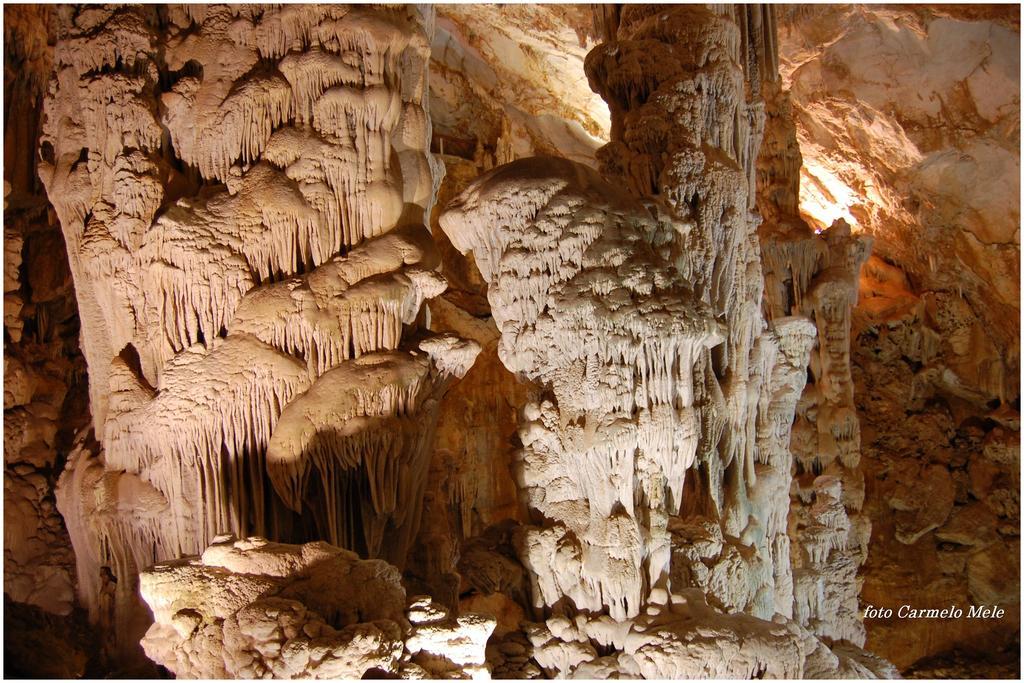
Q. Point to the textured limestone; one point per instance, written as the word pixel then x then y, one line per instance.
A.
pixel 811 277
pixel 238 272
pixel 604 362
pixel 506 83
pixel 43 370
pixel 597 419
pixel 909 127
pixel 655 465
pixel 251 609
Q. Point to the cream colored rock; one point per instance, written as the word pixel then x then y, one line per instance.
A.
pixel 726 411
pixel 251 608
pixel 221 304
pixel 505 83
pixel 369 418
pixel 686 639
pixel 569 327
pixel 446 646
pixel 909 129
pixel 243 192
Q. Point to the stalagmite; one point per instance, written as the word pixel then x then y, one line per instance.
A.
pixel 584 385
pixel 251 608
pixel 817 275
pixel 686 409
pixel 618 407
pixel 613 333
pixel 238 275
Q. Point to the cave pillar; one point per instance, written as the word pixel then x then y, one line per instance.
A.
pixel 683 85
pixel 242 191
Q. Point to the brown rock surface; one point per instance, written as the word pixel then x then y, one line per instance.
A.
pixel 935 465
pixel 905 451
pixel 908 120
pixel 909 125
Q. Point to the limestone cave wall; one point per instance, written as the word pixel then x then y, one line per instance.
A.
pixel 513 341
pixel 909 128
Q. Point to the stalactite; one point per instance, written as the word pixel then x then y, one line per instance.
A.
pixel 212 315
pixel 353 305
pixel 370 420
pixel 99 125
pixel 243 190
pixel 816 276
pixel 703 391
pixel 233 396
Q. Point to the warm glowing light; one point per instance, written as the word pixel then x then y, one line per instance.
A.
pixel 825 198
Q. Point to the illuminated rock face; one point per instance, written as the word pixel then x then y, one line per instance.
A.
pixel 657 373
pixel 506 83
pixel 908 122
pixel 254 609
pixel 654 466
pixel 250 283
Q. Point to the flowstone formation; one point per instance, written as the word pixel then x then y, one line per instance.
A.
pixel 614 337
pixel 909 123
pixel 254 609
pixel 242 191
pixel 700 157
pixel 656 461
pixel 815 274
pixel 375 391
pixel 685 135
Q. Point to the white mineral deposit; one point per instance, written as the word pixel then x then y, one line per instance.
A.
pixel 511 341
